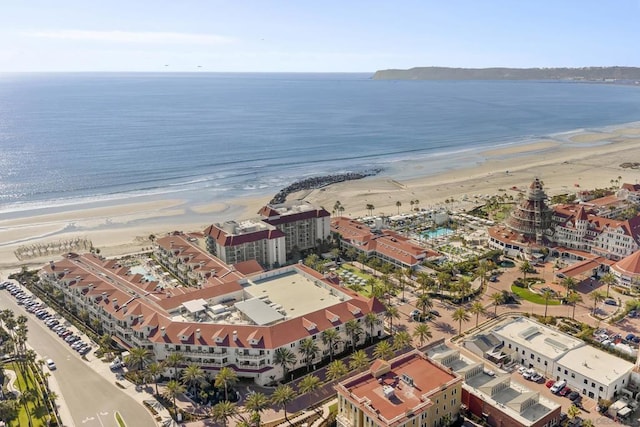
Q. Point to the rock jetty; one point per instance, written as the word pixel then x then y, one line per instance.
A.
pixel 319 182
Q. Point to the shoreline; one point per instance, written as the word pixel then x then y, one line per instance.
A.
pixel 123 225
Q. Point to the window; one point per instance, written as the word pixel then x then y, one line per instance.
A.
pixel 573 375
pixel 585 381
pixel 558 368
pixel 509 345
pixel 601 388
pixel 545 363
pixel 593 385
pixel 565 372
pixel 532 356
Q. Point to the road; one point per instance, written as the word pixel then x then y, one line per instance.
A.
pixel 91 398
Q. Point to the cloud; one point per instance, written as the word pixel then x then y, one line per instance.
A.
pixel 133 37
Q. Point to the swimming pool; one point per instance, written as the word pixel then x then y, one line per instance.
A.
pixel 438 232
pixel 138 269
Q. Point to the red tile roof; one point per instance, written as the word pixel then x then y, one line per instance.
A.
pixel 629 265
pixel 226 239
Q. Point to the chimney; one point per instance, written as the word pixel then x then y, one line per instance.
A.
pixel 235 335
pixel 163 331
pixel 198 333
pixel 115 302
pixel 140 318
pixel 171 244
pixel 124 309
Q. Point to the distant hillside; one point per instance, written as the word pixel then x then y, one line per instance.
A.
pixel 578 74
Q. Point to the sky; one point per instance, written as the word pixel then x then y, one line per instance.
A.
pixel 314 36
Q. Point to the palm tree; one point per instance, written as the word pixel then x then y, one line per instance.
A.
pixel 26 397
pixel 608 279
pixel 425 281
pixel 477 308
pixel 371 320
pixel 424 303
pixel 596 296
pixel 336 369
pixel 391 312
pixel 173 361
pixel 282 395
pixel 138 358
pixel 370 208
pixel 444 279
pixel 371 283
pixel 336 207
pixel 309 384
pixel 309 350
pixel 496 299
pixel 398 204
pixel 226 377
pixel 353 330
pixel 153 371
pixel 284 357
pixel 546 294
pixel 256 403
pixel 483 268
pixel 224 410
pixel 329 337
pixel 401 340
pixel 423 333
pixel 399 276
pixel 460 315
pixel 173 389
pixel 569 283
pixel 383 350
pixel 193 376
pixel 525 268
pixel 573 298
pixel 359 360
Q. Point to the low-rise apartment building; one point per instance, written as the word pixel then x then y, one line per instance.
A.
pixel 409 390
pixel 225 318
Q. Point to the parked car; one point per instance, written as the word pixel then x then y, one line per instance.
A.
pixel 573 396
pixel 84 350
pixel 629 337
pixel 528 374
pixel 536 377
pixel 559 385
pixel 435 313
pixel 564 391
pixel 610 301
pixel 493 278
pixel 549 383
pixel 522 370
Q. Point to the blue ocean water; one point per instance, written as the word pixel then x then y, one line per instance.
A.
pixel 75 137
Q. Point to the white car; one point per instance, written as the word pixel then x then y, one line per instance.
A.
pixel 51 364
pixel 528 374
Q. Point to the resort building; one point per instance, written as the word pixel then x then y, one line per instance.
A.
pixel 575 227
pixel 234 242
pixel 386 245
pixel 303 224
pixel 493 397
pixel 531 217
pixel 630 192
pixel 627 271
pixel 575 231
pixel 225 318
pixel 409 390
pixel 555 355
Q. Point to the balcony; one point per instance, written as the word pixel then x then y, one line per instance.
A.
pixel 241 356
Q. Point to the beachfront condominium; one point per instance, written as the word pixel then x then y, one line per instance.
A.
pixel 235 242
pixel 409 390
pixel 214 314
pixel 304 225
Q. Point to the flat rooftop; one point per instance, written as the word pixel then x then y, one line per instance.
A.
pixel 532 335
pixel 294 293
pixel 426 376
pixel 596 364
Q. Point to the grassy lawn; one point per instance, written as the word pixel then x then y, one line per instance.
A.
pixel 366 290
pixel 37 408
pixel 527 295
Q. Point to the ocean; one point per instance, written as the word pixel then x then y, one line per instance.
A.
pixel 77 137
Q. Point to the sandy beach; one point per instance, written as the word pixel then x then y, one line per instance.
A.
pixel 585 161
